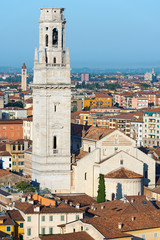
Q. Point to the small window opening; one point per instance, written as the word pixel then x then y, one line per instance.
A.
pixel 54 142
pixel 89 149
pixel 46 28
pixel 54 60
pixel 46 59
pixel 46 40
pixel 121 162
pixel 55 108
pixel 85 176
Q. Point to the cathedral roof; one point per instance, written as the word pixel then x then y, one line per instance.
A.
pixel 123 173
pixel 97 133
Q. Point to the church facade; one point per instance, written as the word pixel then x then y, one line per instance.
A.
pixel 126 169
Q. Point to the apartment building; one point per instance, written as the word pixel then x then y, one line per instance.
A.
pixel 151 130
pixel 11 129
pixel 16 149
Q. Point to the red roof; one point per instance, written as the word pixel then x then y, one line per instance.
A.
pixel 123 173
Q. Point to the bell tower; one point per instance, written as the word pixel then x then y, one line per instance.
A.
pixel 51 159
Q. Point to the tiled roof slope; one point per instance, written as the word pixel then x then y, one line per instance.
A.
pixel 123 173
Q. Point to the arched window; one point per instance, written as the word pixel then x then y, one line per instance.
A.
pixel 54 60
pixel 46 40
pixel 55 37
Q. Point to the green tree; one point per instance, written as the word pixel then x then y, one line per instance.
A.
pixel 101 190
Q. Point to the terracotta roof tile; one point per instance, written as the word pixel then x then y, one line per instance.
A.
pixel 123 173
pixel 68 236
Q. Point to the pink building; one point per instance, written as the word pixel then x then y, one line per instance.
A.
pixel 139 102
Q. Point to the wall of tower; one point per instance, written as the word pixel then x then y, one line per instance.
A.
pixel 51 108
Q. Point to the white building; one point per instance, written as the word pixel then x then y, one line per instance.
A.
pixel 45 219
pixel 51 104
pixel 13 113
pixel 6 160
pixel 125 168
pixel 136 131
pixel 28 128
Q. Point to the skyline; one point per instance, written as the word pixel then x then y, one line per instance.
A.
pixel 103 34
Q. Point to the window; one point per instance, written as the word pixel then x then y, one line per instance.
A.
pixel 55 37
pixel 10 165
pixel 50 218
pixel 121 162
pixel 19 147
pixel 43 218
pixel 46 28
pixel 14 163
pixel 50 230
pixel 55 108
pixel 85 176
pixel 54 60
pixel 143 236
pixel 23 147
pixel 29 219
pixel 158 126
pixel 74 229
pixel 10 159
pixel 89 149
pixel 77 217
pixel 81 228
pixel 8 229
pixel 14 147
pixel 62 217
pixel 146 174
pixel 46 40
pixel 29 232
pixel 155 235
pixel 21 225
pixel 54 142
pixel 43 231
pixel 13 156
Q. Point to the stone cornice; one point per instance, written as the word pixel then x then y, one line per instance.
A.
pixel 51 86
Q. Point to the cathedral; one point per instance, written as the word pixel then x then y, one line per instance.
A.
pixel 126 169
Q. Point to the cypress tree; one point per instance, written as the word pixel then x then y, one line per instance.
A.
pixel 101 190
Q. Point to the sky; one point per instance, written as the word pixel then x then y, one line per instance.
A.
pixel 99 33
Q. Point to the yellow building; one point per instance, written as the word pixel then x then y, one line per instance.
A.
pixel 99 100
pixel 12 223
pixel 16 149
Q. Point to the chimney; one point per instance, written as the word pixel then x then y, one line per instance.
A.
pixel 70 204
pixel 83 132
pixel 78 205
pixel 102 207
pixel 37 209
pixel 31 201
pixel 119 225
pixel 23 199
pixel 132 200
pixel 133 218
pixel 66 201
pixel 92 207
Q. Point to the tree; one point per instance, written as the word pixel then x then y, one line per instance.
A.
pixel 101 190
